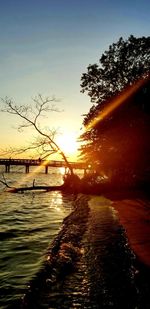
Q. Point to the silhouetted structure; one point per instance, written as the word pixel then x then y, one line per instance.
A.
pixel 45 163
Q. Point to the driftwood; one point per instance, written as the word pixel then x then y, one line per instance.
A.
pixel 31 188
pixel 35 188
pixel 72 183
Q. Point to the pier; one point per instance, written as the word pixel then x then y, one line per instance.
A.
pixel 38 162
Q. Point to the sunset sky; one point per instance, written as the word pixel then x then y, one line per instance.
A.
pixel 46 45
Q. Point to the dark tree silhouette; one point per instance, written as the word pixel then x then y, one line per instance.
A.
pixel 120 66
pixel 117 145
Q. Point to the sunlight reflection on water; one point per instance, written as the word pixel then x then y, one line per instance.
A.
pixel 104 276
pixel 28 223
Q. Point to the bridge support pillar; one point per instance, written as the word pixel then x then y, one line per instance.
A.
pixel 7 168
pixel 27 169
pixel 46 169
pixel 85 172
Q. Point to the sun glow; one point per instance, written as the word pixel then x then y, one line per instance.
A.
pixel 68 144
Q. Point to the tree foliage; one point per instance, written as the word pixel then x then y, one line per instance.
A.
pixel 122 64
pixel 118 144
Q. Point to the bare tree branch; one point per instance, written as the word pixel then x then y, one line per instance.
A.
pixel 30 118
pixel 4 182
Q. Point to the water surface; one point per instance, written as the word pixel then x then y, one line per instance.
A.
pixel 106 275
pixel 28 223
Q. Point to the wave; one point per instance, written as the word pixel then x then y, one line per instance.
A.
pixel 62 256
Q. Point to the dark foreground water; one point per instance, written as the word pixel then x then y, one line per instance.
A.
pixel 28 224
pixel 88 265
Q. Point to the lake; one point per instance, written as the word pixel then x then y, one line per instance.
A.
pixel 106 275
pixel 28 224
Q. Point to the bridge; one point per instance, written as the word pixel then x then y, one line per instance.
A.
pixel 38 162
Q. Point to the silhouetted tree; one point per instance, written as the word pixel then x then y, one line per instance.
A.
pixel 123 63
pixel 116 144
pixel 30 116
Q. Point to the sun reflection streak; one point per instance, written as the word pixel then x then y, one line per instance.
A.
pixel 56 201
pixel 116 102
pixel 27 177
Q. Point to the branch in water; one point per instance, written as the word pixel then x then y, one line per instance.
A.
pixel 4 182
pixel 34 188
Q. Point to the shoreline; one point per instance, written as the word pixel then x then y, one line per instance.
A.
pixel 78 244
pixel 134 216
pixel 61 259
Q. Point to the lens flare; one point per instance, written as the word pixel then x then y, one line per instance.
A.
pixel 117 101
pixel 29 176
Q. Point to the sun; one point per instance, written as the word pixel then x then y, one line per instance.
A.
pixel 68 144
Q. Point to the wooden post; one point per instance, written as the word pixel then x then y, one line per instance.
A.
pixel 46 169
pixel 7 168
pixel 27 168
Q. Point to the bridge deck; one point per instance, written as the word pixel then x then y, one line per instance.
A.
pixel 38 162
